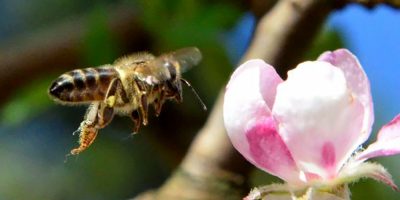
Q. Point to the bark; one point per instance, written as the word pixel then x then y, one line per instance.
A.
pixel 373 3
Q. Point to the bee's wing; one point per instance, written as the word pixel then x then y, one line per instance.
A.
pixel 134 58
pixel 157 71
pixel 153 72
pixel 186 57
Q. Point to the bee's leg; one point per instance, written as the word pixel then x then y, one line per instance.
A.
pixel 87 130
pixel 176 89
pixel 143 104
pixel 97 117
pixel 144 109
pixel 115 90
pixel 179 97
pixel 137 120
pixel 86 137
pixel 105 115
pixel 158 103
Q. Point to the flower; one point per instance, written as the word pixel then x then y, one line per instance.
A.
pixel 308 129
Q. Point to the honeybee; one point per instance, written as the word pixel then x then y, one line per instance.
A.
pixel 126 87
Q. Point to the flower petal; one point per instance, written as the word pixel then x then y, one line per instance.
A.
pixel 358 83
pixel 388 142
pixel 247 116
pixel 244 101
pixel 269 152
pixel 319 119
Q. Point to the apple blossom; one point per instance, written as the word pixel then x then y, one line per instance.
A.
pixel 308 130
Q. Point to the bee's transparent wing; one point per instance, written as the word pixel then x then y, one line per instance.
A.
pixel 157 71
pixel 187 57
pixel 153 72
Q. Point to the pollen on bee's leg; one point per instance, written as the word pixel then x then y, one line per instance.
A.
pixel 87 135
pixel 110 101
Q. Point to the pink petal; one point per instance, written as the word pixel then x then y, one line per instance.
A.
pixel 388 142
pixel 318 118
pixel 248 100
pixel 262 77
pixel 358 83
pixel 268 151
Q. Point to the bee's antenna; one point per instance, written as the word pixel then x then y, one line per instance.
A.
pixel 195 93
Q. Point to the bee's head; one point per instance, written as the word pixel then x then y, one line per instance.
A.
pixel 173 69
pixel 173 84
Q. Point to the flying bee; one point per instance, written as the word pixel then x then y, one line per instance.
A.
pixel 126 87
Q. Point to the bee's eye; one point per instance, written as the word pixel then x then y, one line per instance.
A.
pixel 171 69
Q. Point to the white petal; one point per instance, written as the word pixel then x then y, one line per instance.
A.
pixel 358 83
pixel 319 117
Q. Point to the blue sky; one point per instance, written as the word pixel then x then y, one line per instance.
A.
pixel 374 37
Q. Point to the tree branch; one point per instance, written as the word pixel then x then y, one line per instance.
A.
pixel 373 3
pixel 285 33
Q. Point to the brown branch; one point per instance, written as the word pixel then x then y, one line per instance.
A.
pixel 260 7
pixel 212 169
pixel 58 49
pixel 284 34
pixel 373 3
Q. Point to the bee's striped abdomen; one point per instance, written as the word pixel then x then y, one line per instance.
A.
pixel 83 85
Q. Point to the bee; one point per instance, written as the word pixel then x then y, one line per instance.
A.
pixel 126 87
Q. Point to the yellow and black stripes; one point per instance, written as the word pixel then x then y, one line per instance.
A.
pixel 83 85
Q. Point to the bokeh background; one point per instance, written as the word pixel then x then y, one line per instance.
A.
pixel 40 39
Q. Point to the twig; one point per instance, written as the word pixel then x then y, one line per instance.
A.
pixel 373 3
pixel 285 33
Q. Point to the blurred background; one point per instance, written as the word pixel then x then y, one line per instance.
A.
pixel 40 39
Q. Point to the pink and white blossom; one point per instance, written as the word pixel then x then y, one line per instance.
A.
pixel 308 129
